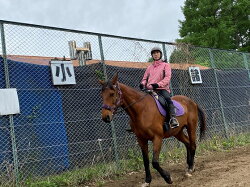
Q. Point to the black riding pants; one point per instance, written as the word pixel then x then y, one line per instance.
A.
pixel 166 95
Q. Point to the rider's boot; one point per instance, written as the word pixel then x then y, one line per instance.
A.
pixel 173 122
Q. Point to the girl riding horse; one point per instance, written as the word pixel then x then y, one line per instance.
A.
pixel 147 123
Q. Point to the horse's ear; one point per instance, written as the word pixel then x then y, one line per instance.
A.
pixel 101 82
pixel 115 79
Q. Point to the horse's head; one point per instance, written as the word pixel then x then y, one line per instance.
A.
pixel 111 96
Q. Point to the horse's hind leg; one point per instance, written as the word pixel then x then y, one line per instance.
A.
pixel 144 148
pixel 157 142
pixel 190 147
pixel 192 139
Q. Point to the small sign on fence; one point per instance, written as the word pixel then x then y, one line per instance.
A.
pixel 62 72
pixel 9 101
pixel 195 75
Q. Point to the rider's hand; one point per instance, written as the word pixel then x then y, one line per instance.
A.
pixel 142 87
pixel 155 86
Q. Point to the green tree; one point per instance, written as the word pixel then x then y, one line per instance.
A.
pixel 222 59
pixel 221 24
pixel 188 54
pixel 150 59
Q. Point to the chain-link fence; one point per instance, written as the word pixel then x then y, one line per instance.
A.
pixel 60 129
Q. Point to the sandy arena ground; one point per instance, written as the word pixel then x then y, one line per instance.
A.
pixel 214 169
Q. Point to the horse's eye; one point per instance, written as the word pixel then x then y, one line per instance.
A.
pixel 112 95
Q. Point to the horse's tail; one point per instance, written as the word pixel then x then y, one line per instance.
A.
pixel 202 118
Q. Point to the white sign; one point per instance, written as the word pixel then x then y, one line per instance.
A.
pixel 195 75
pixel 9 101
pixel 62 72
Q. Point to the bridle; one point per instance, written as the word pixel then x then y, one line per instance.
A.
pixel 118 102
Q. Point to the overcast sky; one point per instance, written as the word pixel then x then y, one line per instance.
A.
pixel 147 19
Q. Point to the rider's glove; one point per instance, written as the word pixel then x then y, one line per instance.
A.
pixel 142 87
pixel 155 86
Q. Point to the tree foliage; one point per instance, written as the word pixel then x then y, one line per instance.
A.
pixel 221 24
pixel 213 58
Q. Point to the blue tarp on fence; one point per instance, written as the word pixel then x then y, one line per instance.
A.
pixel 40 132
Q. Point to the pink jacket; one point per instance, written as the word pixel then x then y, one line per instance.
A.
pixel 158 72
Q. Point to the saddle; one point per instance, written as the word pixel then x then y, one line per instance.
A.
pixel 162 104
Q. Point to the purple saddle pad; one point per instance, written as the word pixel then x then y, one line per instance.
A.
pixel 178 108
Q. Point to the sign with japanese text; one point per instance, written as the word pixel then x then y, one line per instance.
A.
pixel 195 75
pixel 62 72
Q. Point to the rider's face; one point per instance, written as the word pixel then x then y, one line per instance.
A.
pixel 156 55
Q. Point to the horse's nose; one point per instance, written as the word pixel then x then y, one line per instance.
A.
pixel 107 119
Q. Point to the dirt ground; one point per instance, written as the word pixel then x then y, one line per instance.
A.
pixel 224 168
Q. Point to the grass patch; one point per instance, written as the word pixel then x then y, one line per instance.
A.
pixel 219 144
pixel 99 173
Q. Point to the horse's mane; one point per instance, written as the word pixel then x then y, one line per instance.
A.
pixel 132 89
pixel 109 84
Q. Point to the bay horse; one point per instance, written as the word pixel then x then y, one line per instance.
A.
pixel 147 123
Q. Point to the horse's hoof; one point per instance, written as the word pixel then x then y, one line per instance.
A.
pixel 169 181
pixel 188 174
pixel 145 184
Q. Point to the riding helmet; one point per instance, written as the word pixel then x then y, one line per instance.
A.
pixel 156 49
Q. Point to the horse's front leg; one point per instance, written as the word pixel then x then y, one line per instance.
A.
pixel 144 148
pixel 157 142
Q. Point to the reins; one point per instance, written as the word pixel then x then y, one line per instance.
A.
pixel 123 109
pixel 114 109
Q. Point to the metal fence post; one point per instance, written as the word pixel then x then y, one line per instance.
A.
pixel 7 83
pixel 102 57
pixel 246 64
pixel 114 137
pixel 165 57
pixel 218 89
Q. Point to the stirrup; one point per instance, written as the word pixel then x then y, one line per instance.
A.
pixel 175 124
